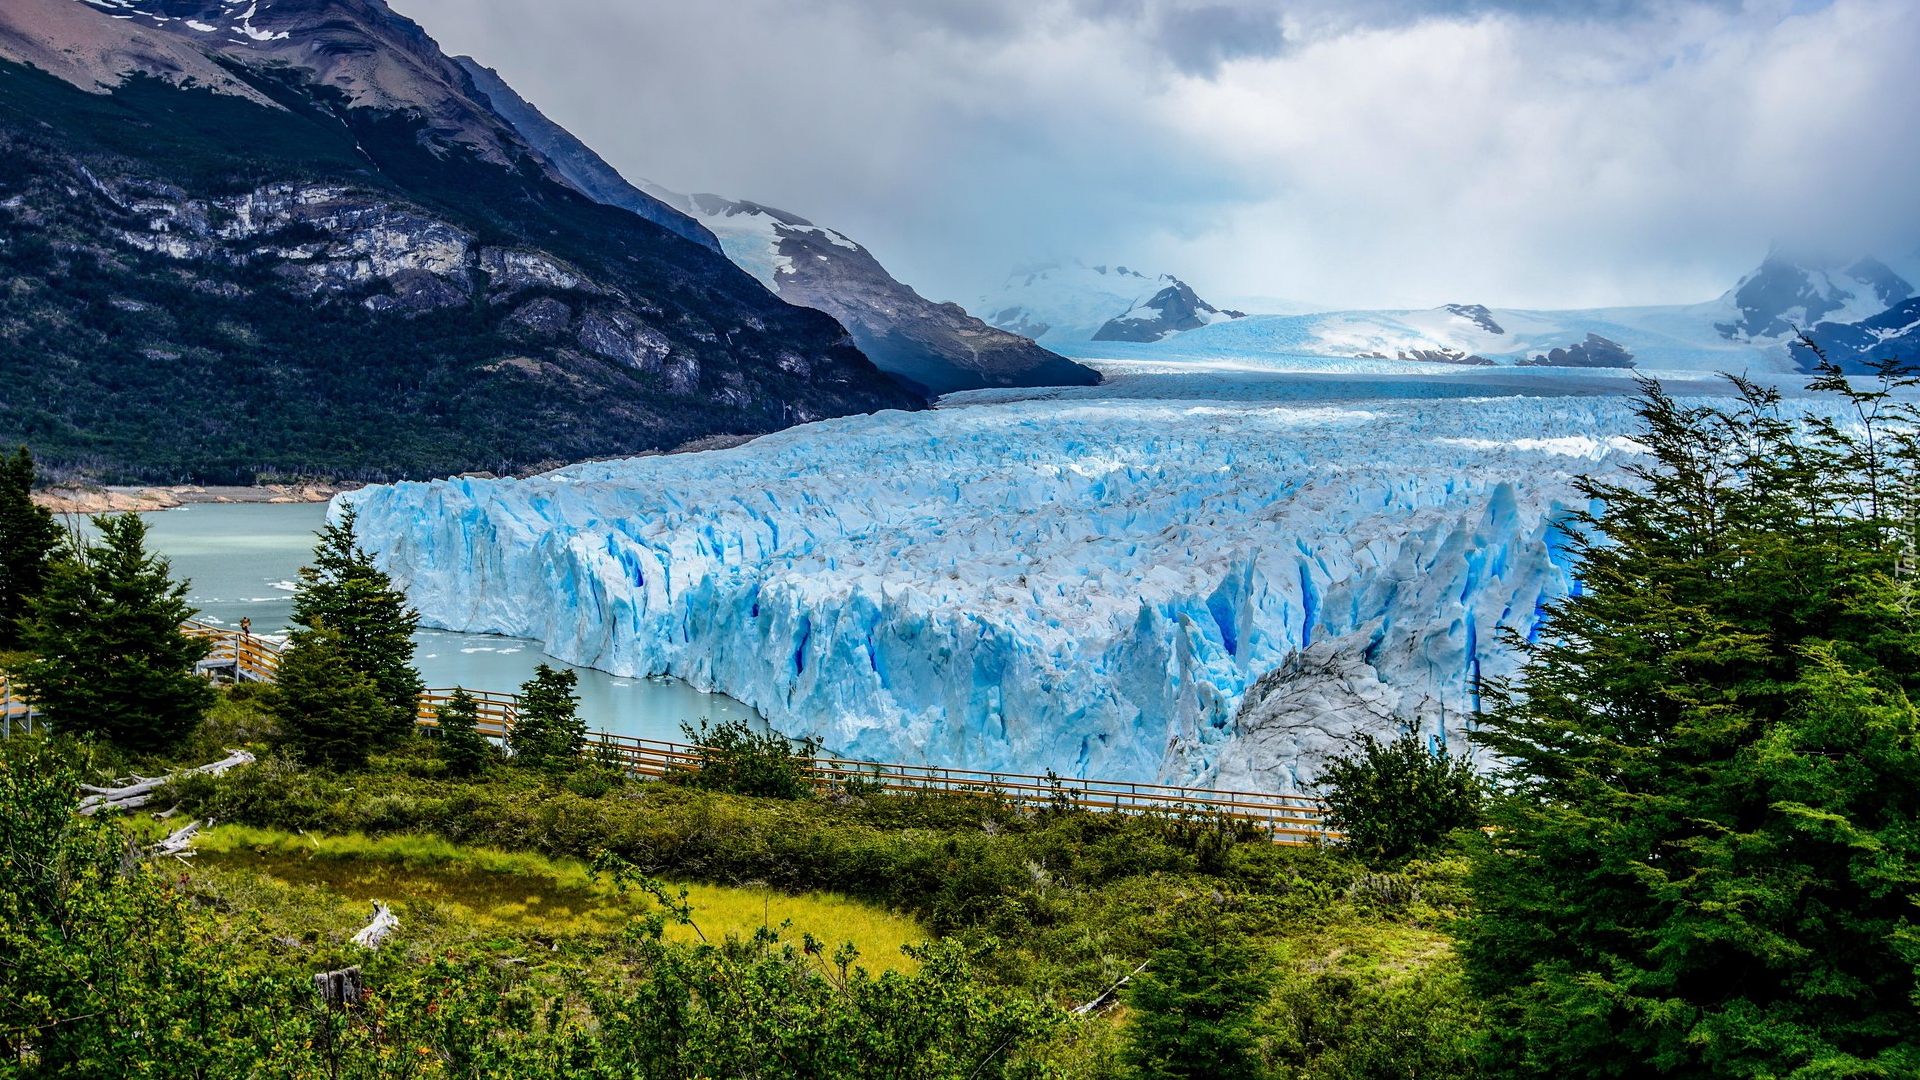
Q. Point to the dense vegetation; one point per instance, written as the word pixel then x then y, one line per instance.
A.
pixel 1697 858
pixel 228 366
pixel 1707 857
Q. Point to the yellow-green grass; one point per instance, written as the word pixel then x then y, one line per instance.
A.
pixel 431 881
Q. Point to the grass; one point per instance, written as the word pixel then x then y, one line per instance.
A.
pixel 480 893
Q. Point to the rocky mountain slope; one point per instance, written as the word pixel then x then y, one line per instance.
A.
pixel 1893 335
pixel 1789 293
pixel 1074 302
pixel 932 347
pixel 291 237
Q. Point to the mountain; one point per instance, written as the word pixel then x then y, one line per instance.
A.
pixel 1169 311
pixel 1789 292
pixel 1894 335
pixel 1659 339
pixel 582 169
pixel 292 237
pixel 933 348
pixel 1074 302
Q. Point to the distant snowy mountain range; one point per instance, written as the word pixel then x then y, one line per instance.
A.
pixel 1073 302
pixel 1858 310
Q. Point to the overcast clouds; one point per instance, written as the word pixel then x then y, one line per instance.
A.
pixel 1367 152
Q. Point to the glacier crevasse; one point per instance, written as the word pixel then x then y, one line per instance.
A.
pixel 1092 585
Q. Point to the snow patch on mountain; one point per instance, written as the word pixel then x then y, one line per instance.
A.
pixel 1092 583
pixel 1789 293
pixel 1072 301
pixel 1652 339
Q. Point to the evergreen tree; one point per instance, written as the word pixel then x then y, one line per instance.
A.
pixel 1706 859
pixel 347 594
pixel 1193 1009
pixel 29 537
pixel 548 732
pixel 108 656
pixel 1395 800
pixel 329 710
pixel 462 747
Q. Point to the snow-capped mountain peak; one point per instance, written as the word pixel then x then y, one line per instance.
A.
pixel 1790 292
pixel 1072 301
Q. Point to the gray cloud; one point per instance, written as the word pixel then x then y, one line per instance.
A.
pixel 1198 40
pixel 1359 151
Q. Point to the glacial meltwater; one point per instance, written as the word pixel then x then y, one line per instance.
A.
pixel 243 561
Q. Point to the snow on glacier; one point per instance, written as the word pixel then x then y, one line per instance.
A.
pixel 1090 584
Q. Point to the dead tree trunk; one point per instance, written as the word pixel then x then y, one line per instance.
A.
pixel 384 923
pixel 139 792
pixel 340 989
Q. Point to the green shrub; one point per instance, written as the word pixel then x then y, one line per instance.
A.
pixel 548 732
pixel 1193 1009
pixel 735 759
pixel 1395 800
pixel 1339 1025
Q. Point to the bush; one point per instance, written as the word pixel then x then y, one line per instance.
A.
pixel 548 733
pixel 1395 800
pixel 1193 1009
pixel 735 759
pixel 1340 1025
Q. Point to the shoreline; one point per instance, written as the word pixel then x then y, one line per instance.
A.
pixel 142 500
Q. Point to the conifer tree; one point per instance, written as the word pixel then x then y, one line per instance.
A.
pixel 1193 1009
pixel 329 710
pixel 355 600
pixel 462 747
pixel 1706 859
pixel 108 656
pixel 548 733
pixel 29 537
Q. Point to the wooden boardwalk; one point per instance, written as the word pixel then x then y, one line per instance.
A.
pixel 15 713
pixel 1289 819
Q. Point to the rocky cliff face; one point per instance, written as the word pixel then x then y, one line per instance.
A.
pixel 1891 336
pixel 932 348
pixel 293 238
pixel 1172 310
pixel 935 348
pixel 1789 292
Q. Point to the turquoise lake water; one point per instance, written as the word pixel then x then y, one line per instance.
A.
pixel 243 560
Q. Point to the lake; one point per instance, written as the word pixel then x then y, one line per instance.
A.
pixel 243 560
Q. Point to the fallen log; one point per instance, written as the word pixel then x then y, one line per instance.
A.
pixel 384 923
pixel 140 792
pixel 178 843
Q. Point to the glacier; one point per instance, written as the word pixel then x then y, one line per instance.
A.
pixel 1212 579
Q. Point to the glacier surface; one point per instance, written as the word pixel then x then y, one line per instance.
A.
pixel 1204 579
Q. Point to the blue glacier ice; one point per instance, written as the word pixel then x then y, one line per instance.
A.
pixel 1167 580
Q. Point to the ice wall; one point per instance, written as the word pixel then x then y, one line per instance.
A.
pixel 1089 585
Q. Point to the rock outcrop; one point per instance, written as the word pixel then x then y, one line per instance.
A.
pixel 340 262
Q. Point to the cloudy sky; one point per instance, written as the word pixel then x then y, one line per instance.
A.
pixel 1346 152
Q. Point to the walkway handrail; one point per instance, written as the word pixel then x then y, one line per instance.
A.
pixel 14 710
pixel 1290 818
pixel 1294 819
